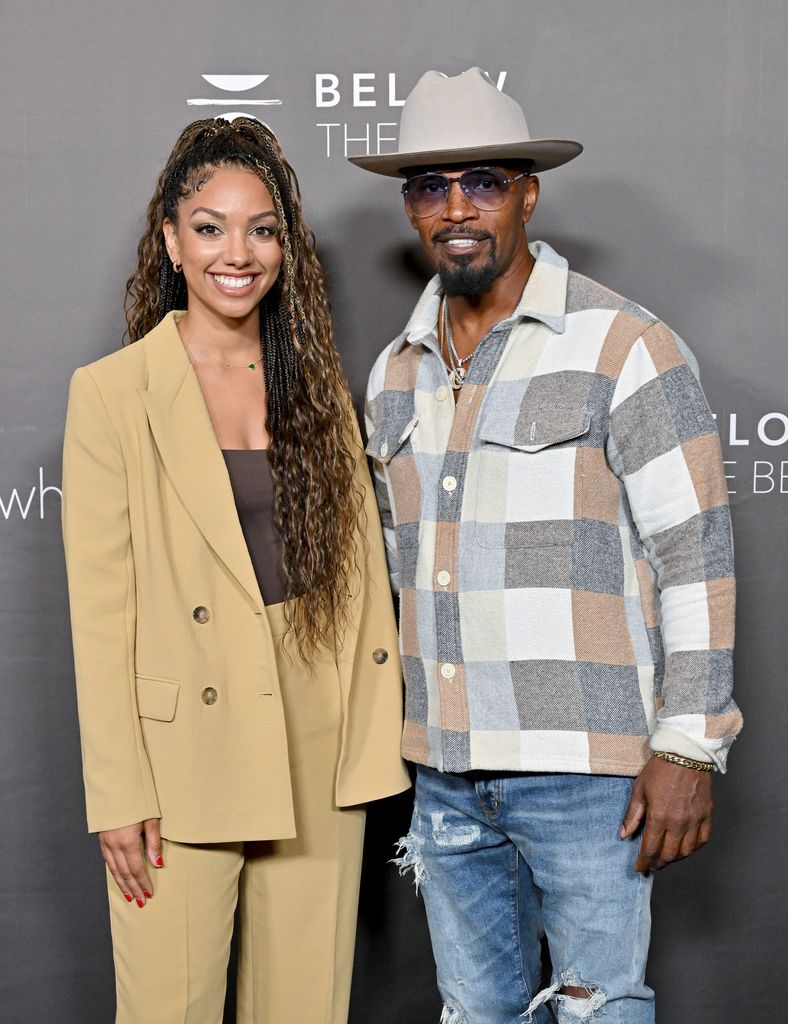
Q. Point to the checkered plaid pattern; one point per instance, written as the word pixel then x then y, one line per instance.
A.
pixel 560 540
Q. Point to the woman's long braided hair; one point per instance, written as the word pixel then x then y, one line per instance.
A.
pixel 310 416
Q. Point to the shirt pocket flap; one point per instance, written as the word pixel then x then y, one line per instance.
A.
pixel 536 428
pixel 388 438
pixel 157 698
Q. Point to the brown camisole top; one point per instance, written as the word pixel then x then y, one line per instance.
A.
pixel 253 490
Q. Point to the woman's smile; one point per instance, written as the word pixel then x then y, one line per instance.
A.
pixel 234 285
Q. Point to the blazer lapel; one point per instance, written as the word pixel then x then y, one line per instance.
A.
pixel 186 441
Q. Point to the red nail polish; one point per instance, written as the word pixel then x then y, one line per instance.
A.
pixel 159 862
pixel 147 894
pixel 140 903
pixel 128 896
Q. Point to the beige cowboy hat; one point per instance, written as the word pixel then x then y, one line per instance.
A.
pixel 461 120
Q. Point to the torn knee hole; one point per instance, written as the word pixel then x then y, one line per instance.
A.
pixel 578 1002
pixel 574 1000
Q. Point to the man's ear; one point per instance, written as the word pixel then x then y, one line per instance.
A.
pixel 530 197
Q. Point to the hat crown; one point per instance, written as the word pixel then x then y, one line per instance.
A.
pixel 465 119
pixel 463 111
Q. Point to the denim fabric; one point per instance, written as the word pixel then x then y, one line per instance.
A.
pixel 503 859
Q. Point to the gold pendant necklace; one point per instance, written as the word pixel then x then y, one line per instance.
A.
pixel 216 359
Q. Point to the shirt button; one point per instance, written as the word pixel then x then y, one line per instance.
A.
pixel 201 614
pixel 380 656
pixel 384 449
pixel 209 695
pixel 444 578
pixel 442 393
pixel 449 483
pixel 447 671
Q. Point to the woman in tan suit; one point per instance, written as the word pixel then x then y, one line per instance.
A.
pixel 238 682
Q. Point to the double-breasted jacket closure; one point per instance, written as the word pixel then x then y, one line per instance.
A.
pixel 180 709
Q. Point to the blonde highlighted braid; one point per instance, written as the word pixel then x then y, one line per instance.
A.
pixel 309 411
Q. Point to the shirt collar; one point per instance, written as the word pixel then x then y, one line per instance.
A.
pixel 543 299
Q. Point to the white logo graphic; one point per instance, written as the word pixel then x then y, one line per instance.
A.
pixel 233 84
pixel 18 506
pixel 361 89
pixel 767 476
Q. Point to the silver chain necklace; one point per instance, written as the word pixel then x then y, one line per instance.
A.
pixel 458 372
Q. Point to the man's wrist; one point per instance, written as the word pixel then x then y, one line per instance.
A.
pixel 685 762
pixel 677 741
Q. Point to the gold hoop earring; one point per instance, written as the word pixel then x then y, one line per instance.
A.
pixel 177 267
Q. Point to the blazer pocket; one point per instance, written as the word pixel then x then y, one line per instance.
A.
pixel 527 484
pixel 157 698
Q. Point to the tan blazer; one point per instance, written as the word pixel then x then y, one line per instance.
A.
pixel 179 705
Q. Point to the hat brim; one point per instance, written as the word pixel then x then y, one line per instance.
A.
pixel 545 154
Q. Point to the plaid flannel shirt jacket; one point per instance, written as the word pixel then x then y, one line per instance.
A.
pixel 560 540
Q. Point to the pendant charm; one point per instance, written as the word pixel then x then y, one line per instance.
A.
pixel 251 366
pixel 457 377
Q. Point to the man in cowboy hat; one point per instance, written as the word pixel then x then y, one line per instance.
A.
pixel 552 490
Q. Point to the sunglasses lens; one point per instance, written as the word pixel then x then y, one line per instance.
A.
pixel 426 193
pixel 485 188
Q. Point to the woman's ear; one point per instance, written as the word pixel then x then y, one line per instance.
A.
pixel 171 240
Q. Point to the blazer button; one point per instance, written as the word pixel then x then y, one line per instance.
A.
pixel 209 695
pixel 380 656
pixel 201 614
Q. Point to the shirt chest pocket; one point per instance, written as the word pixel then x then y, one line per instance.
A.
pixel 392 445
pixel 391 438
pixel 529 483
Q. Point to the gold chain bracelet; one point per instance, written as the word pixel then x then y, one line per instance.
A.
pixel 685 762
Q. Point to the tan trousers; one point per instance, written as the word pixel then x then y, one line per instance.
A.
pixel 298 898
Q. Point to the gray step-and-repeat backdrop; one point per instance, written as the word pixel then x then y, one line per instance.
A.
pixel 678 202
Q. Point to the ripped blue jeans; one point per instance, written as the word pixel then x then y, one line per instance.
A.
pixel 505 859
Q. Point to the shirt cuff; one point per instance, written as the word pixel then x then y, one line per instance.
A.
pixel 674 742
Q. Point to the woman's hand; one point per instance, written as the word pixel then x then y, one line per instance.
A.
pixel 125 850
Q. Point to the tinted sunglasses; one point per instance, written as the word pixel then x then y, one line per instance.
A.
pixel 485 187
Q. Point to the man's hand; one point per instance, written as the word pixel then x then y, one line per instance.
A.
pixel 677 805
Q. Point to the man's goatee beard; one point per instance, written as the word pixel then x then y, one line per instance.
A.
pixel 460 279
